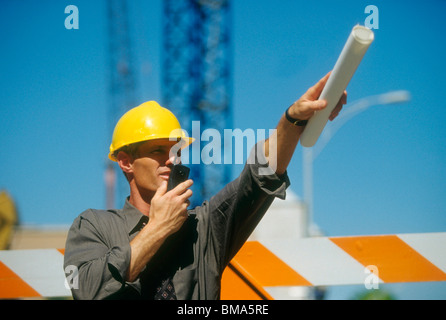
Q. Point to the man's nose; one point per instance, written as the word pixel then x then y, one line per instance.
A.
pixel 172 160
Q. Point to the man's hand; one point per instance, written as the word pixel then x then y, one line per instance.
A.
pixel 168 209
pixel 284 141
pixel 168 212
pixel 305 107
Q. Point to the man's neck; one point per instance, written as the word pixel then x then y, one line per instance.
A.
pixel 142 203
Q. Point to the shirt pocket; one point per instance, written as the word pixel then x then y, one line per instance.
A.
pixel 185 283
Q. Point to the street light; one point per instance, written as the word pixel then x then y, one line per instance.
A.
pixel 309 154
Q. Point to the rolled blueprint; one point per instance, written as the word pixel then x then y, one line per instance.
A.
pixel 356 46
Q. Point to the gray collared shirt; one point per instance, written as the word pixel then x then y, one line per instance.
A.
pixel 98 242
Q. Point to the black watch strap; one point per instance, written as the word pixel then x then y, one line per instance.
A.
pixel 296 122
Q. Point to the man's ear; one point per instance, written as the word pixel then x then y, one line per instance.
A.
pixel 125 162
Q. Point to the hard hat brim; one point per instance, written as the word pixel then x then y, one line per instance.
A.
pixel 186 142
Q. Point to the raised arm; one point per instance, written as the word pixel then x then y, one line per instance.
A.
pixel 279 148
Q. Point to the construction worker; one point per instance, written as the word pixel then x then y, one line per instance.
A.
pixel 154 247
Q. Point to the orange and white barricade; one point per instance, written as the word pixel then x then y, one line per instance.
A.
pixel 260 268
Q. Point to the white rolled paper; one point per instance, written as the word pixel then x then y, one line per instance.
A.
pixel 356 46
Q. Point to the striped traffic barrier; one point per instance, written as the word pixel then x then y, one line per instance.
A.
pixel 32 274
pixel 328 261
pixel 261 267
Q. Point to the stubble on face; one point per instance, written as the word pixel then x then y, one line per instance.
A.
pixel 152 166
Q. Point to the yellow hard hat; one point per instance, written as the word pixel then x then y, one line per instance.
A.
pixel 148 121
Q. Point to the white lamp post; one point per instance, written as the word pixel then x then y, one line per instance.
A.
pixel 309 154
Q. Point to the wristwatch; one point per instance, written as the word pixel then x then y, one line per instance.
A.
pixel 296 122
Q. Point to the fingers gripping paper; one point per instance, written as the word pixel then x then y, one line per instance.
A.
pixel 356 46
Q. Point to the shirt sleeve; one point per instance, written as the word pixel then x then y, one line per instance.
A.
pixel 101 266
pixel 237 209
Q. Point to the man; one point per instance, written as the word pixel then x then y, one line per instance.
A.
pixel 155 248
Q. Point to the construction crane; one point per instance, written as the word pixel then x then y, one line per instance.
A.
pixel 196 80
pixel 122 88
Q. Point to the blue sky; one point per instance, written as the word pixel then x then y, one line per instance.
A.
pixel 382 173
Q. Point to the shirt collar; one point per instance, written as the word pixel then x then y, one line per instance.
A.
pixel 134 219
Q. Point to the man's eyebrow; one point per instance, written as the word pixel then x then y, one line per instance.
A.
pixel 160 146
